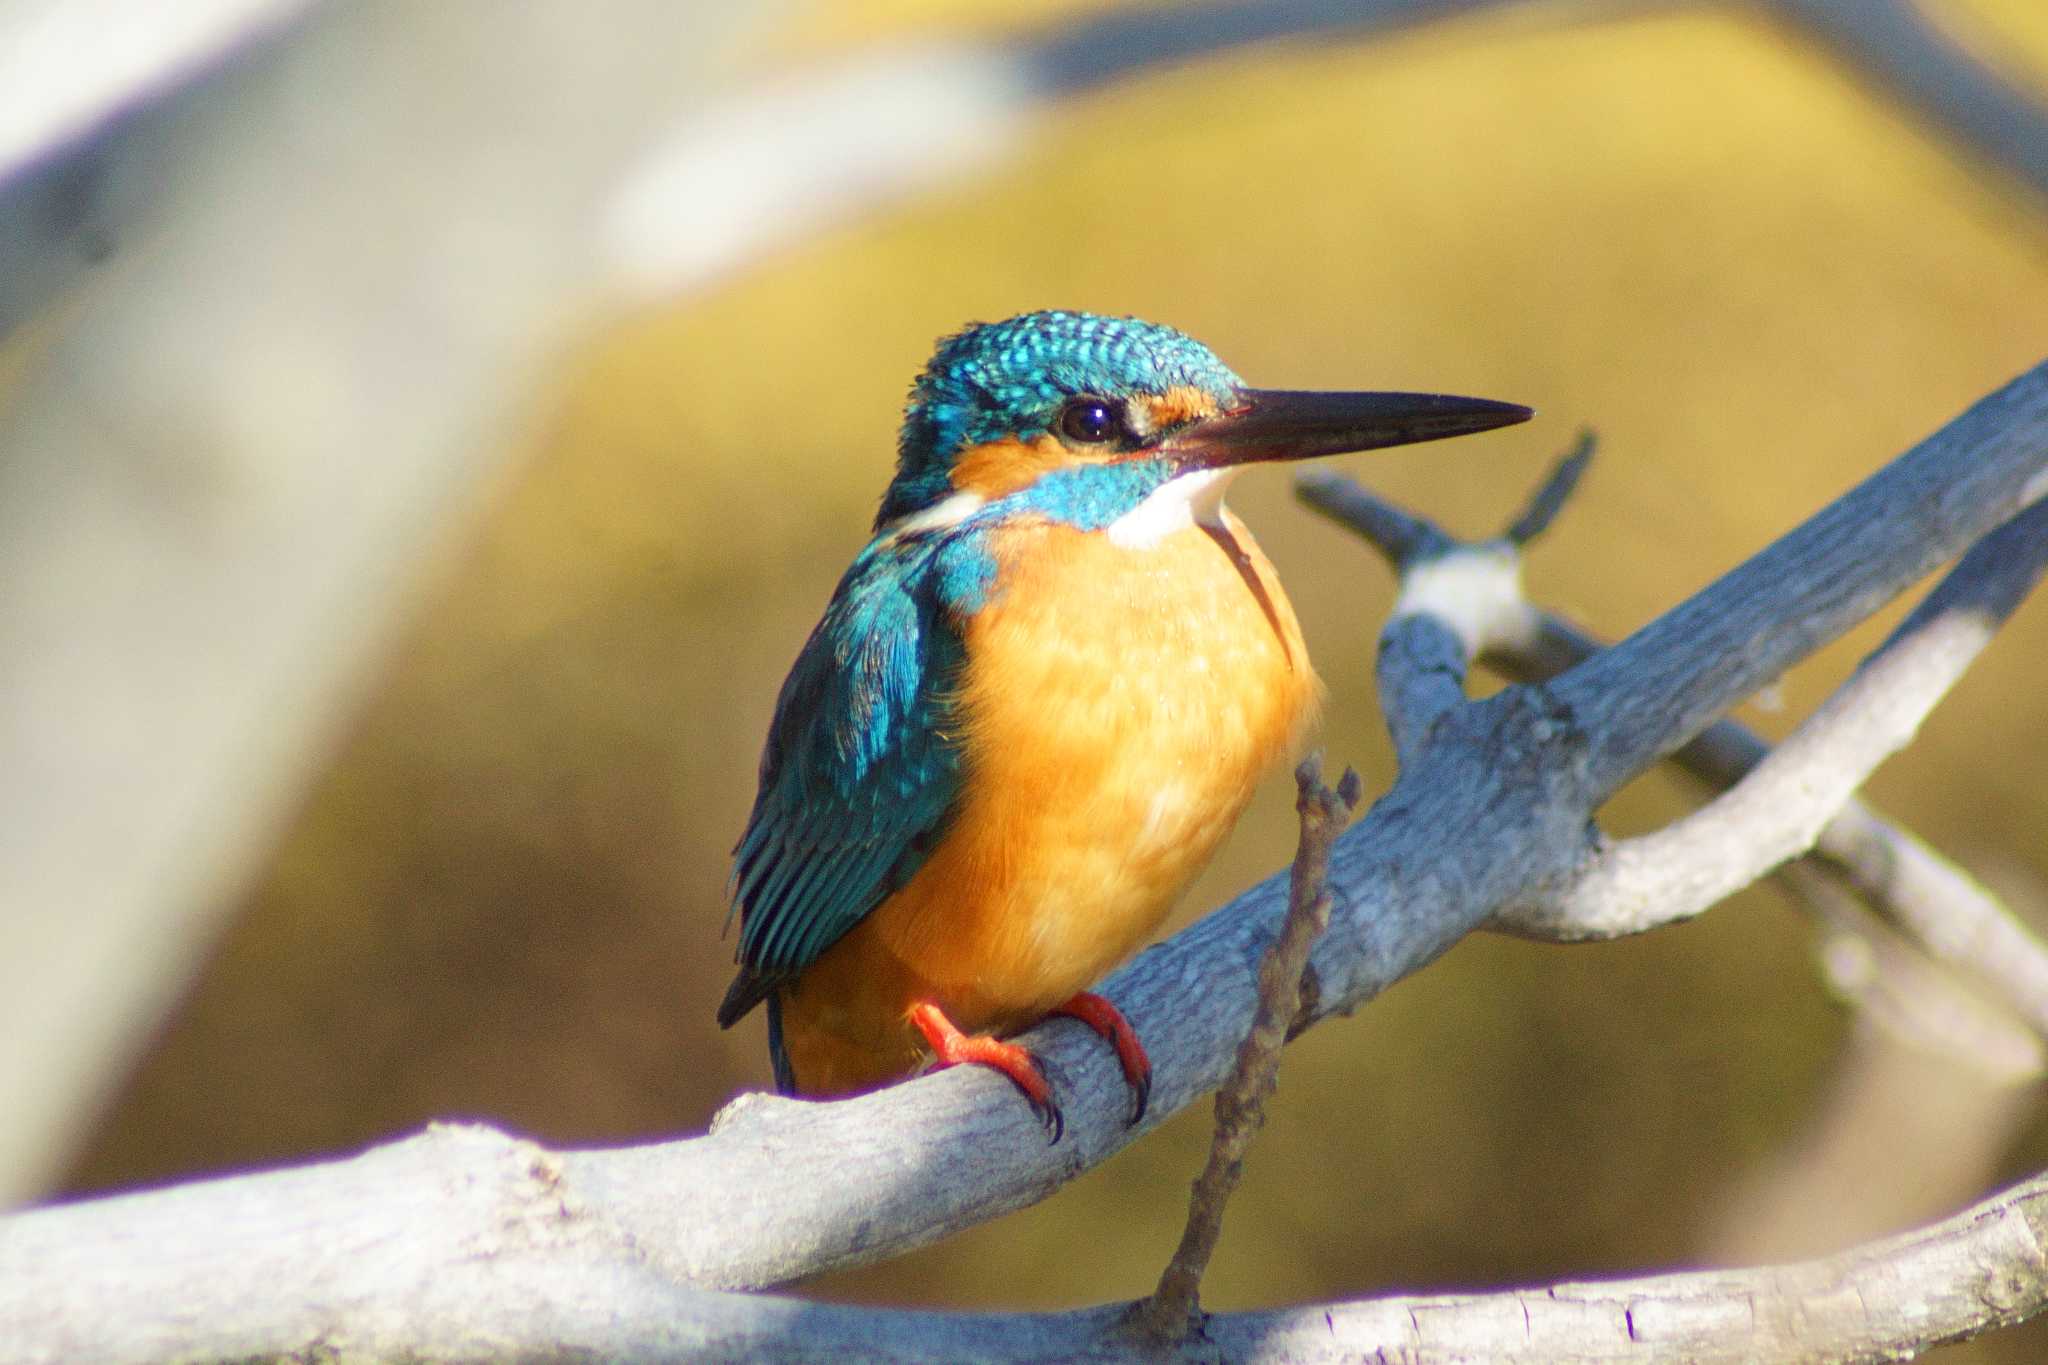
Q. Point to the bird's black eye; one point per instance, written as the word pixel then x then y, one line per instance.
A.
pixel 1088 420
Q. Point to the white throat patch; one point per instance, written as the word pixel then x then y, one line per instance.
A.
pixel 1190 500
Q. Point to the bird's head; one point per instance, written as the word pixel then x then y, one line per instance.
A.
pixel 1081 418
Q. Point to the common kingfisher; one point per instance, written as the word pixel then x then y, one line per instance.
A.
pixel 1037 702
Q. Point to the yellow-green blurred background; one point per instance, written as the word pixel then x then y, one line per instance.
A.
pixel 1756 276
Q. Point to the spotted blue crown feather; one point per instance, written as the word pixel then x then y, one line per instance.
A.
pixel 1009 378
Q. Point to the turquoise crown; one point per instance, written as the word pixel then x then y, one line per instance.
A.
pixel 1009 378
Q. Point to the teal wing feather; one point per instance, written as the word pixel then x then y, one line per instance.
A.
pixel 862 765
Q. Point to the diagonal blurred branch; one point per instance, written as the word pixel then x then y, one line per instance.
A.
pixel 88 92
pixel 1898 49
pixel 219 478
pixel 797 155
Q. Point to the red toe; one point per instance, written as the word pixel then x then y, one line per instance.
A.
pixel 1109 1023
pixel 950 1047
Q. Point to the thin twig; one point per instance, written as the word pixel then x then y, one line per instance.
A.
pixel 1549 499
pixel 1175 1307
pixel 1405 539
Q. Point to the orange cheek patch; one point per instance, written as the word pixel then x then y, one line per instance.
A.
pixel 997 468
pixel 1177 405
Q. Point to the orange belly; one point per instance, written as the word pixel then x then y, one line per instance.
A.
pixel 1119 707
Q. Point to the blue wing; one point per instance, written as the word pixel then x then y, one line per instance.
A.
pixel 862 768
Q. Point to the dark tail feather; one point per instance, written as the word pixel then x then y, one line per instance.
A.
pixel 785 1074
pixel 748 989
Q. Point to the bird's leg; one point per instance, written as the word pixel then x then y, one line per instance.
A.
pixel 1109 1023
pixel 950 1047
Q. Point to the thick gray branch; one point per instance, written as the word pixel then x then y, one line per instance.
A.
pixel 1779 808
pixel 1941 907
pixel 1473 591
pixel 1662 685
pixel 463 1244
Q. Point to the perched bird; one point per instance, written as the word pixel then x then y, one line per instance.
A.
pixel 1037 702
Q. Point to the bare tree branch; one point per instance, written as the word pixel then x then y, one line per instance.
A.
pixel 782 1188
pixel 1916 1016
pixel 1779 808
pixel 1950 914
pixel 502 1261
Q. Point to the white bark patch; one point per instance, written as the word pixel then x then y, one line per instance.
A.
pixel 1476 590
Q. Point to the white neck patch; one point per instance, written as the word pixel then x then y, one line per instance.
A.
pixel 940 516
pixel 1192 499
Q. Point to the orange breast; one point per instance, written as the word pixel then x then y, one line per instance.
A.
pixel 1120 704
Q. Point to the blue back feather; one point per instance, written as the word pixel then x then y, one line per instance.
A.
pixel 861 768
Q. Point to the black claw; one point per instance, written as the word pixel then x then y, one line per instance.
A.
pixel 1055 1122
pixel 1142 1090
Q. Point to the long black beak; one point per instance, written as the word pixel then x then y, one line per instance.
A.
pixel 1283 424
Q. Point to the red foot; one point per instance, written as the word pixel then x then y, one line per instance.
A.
pixel 1109 1024
pixel 950 1047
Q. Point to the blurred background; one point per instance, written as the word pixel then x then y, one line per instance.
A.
pixel 498 891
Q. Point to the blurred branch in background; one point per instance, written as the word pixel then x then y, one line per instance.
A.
pixel 503 1237
pixel 1897 47
pixel 813 149
pixel 87 88
pixel 808 151
pixel 1935 1080
pixel 233 449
